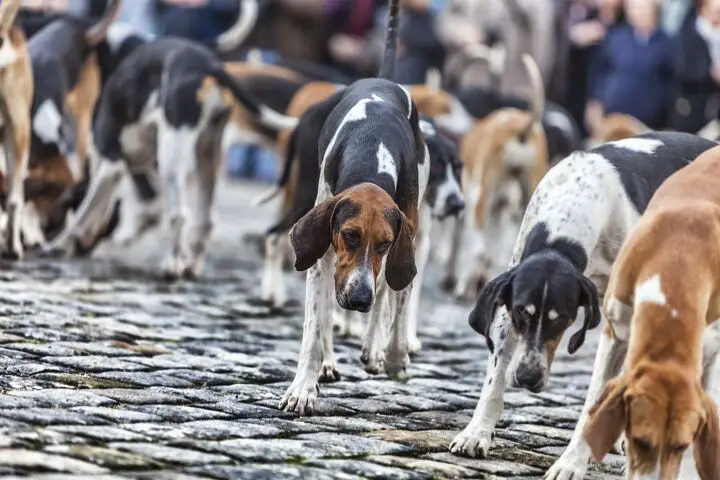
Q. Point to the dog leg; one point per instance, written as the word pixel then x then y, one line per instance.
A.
pixel 455 243
pixel 329 370
pixel 476 438
pixel 272 289
pixel 17 151
pixel 301 396
pixel 176 161
pixel 422 253
pixel 136 215
pixel 94 207
pixel 397 351
pixel 372 354
pixel 202 212
pixel 609 358
pixel 31 229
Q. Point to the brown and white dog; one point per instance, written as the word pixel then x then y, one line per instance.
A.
pixel 16 95
pixel 664 290
pixel 616 126
pixel 358 238
pixel 504 155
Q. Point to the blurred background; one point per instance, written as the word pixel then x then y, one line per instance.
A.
pixel 656 60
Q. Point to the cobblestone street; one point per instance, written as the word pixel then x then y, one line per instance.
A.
pixel 107 373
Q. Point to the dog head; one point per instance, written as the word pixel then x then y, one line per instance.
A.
pixel 662 411
pixel 368 231
pixel 542 296
pixel 443 195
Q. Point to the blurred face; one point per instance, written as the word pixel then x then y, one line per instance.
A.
pixel 642 14
pixel 710 11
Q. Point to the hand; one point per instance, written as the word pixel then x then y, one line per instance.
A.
pixel 715 72
pixel 345 48
pixel 593 115
pixel 587 33
pixel 417 5
pixel 187 3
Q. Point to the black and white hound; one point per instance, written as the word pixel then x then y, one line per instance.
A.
pixel 374 170
pixel 571 233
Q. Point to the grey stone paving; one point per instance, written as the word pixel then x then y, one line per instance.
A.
pixel 106 373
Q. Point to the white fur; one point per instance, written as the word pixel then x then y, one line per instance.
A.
pixel 650 291
pixel 530 309
pixel 8 54
pixel 553 314
pixel 639 145
pixel 386 163
pixel 46 122
pixel 409 100
pixel 357 113
pixel 449 186
pixel 426 128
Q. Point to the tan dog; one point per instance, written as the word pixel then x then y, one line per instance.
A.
pixel 617 126
pixel 664 290
pixel 16 95
pixel 505 155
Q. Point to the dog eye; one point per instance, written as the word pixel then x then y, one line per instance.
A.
pixel 642 445
pixel 383 247
pixel 678 448
pixel 352 239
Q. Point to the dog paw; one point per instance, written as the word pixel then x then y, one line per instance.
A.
pixel 172 268
pixel 472 443
pixel 300 398
pixel 329 373
pixel 570 466
pixel 396 364
pixel 12 253
pixel 414 345
pixel 373 361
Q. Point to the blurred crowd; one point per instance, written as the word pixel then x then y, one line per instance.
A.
pixel 657 60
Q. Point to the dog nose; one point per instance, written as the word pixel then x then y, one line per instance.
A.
pixel 529 378
pixel 454 204
pixel 361 298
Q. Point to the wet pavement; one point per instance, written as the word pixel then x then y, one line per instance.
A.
pixel 107 373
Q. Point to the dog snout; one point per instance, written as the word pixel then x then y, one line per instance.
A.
pixel 454 205
pixel 360 298
pixel 530 377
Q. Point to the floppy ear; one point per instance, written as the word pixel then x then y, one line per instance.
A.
pixel 706 447
pixel 310 237
pixel 8 12
pixel 593 315
pixel 496 293
pixel 400 265
pixel 606 420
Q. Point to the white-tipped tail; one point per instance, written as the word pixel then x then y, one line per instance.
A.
pixel 433 79
pixel 247 18
pixel 272 119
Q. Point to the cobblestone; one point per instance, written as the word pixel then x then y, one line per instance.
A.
pixel 108 373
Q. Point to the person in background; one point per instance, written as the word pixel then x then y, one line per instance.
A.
pixel 633 69
pixel 588 22
pixel 521 26
pixel 420 49
pixel 697 64
pixel 195 19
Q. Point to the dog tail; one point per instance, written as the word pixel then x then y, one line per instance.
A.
pixel 387 67
pixel 98 32
pixel 273 192
pixel 235 35
pixel 537 105
pixel 264 114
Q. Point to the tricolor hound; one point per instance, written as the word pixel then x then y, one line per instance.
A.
pixel 374 168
